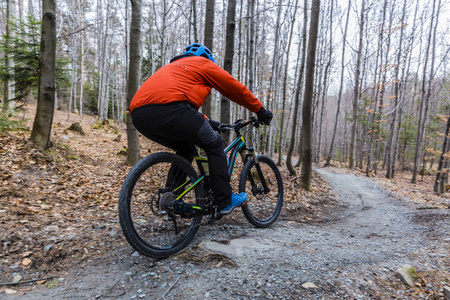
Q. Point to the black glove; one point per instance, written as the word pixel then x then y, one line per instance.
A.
pixel 214 124
pixel 264 116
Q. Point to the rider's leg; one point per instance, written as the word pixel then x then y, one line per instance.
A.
pixel 212 143
pixel 178 126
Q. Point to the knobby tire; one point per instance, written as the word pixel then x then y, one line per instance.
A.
pixel 263 207
pixel 147 228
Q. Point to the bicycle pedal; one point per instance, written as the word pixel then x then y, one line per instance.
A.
pixel 215 214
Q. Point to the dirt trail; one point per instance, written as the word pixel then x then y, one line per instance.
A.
pixel 352 254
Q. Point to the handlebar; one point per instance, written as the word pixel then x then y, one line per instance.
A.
pixel 238 125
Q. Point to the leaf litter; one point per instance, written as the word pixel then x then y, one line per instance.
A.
pixel 58 208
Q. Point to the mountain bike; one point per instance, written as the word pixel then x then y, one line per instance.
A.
pixel 164 197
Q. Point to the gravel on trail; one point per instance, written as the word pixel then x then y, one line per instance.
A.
pixel 353 253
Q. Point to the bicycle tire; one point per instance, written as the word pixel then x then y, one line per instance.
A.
pixel 147 227
pixel 262 208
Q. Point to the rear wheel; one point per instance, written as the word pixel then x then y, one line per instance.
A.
pixel 264 187
pixel 150 216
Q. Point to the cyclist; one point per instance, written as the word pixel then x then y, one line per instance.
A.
pixel 165 110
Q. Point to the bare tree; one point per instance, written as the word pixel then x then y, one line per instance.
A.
pixel 441 174
pixel 426 90
pixel 325 86
pixel 356 89
pixel 225 107
pixel 134 78
pixel 305 180
pixel 397 88
pixel 208 41
pixel 8 97
pixel 43 120
pixel 297 93
pixel 284 95
pixel 330 154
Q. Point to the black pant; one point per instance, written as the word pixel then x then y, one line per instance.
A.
pixel 180 127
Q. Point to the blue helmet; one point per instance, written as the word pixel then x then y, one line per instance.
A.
pixel 199 50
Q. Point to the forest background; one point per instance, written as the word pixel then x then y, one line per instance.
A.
pixel 380 100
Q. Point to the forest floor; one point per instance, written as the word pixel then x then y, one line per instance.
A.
pixel 348 236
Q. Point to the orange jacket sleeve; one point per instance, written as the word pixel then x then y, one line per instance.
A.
pixel 231 88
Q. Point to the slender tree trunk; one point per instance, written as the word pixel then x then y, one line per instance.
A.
pixel 225 107
pixel 356 90
pixel 376 92
pixel 81 58
pixel 42 125
pixel 383 91
pixel 251 52
pixel 194 21
pixel 440 174
pixel 8 97
pixel 134 78
pixel 426 94
pixel 208 41
pixel 325 85
pixel 403 85
pixel 297 93
pixel 330 154
pixel 284 95
pixel 305 180
pixel 397 88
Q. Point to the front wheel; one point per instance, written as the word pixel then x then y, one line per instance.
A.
pixel 264 187
pixel 148 201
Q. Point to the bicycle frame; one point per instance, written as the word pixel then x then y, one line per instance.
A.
pixel 237 146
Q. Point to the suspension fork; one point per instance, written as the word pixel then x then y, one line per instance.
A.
pixel 258 169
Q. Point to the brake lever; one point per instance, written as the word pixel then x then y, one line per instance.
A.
pixel 223 128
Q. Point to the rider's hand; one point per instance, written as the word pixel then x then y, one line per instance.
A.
pixel 264 116
pixel 214 124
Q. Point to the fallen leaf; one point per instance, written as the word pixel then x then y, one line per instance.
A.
pixel 26 261
pixel 27 253
pixel 10 291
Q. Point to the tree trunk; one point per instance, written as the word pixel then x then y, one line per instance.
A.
pixel 8 103
pixel 81 58
pixel 225 107
pixel 305 180
pixel 356 90
pixel 284 95
pixel 376 91
pixel 134 78
pixel 194 21
pixel 330 154
pixel 42 125
pixel 440 174
pixel 297 93
pixel 426 94
pixel 208 41
pixel 397 89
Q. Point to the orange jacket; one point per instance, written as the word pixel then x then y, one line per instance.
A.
pixel 190 79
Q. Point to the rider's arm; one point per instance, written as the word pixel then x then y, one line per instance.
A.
pixel 223 82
